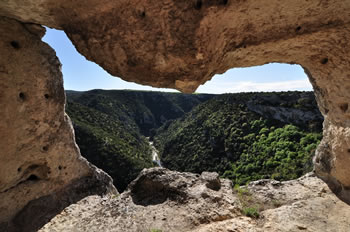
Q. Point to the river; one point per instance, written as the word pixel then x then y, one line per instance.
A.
pixel 155 156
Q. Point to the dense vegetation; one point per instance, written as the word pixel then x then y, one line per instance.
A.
pixel 245 136
pixel 110 126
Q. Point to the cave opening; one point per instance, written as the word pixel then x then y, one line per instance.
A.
pixel 246 124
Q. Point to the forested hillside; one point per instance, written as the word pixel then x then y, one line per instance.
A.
pixel 111 126
pixel 245 136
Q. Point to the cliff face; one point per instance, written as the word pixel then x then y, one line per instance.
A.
pixel 179 44
pixel 173 201
pixel 41 170
pixel 288 108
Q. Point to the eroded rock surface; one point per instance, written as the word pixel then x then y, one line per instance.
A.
pixel 41 170
pixel 174 201
pixel 157 199
pixel 182 44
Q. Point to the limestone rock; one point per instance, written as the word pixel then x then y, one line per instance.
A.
pixel 273 106
pixel 305 204
pixel 183 202
pixel 157 199
pixel 41 170
pixel 212 179
pixel 181 44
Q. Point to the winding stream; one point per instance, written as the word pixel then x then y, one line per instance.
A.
pixel 155 157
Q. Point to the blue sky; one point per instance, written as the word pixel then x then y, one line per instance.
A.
pixel 80 74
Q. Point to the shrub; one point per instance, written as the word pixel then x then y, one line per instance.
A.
pixel 252 212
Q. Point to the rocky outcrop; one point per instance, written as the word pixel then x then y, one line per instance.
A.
pixel 178 44
pixel 294 110
pixel 173 201
pixel 41 170
pixel 157 199
pixel 286 115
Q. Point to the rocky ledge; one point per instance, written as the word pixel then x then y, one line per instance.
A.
pixel 164 200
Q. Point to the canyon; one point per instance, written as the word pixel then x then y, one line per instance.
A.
pixel 195 133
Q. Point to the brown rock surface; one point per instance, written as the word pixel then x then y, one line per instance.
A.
pixel 185 203
pixel 182 44
pixel 41 169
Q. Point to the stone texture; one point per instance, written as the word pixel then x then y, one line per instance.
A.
pixel 305 204
pixel 157 199
pixel 212 179
pixel 188 204
pixel 181 44
pixel 41 170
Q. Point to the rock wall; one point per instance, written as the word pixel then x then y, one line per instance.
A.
pixel 41 170
pixel 178 44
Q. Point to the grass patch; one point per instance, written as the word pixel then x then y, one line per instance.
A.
pixel 276 203
pixel 252 212
pixel 251 207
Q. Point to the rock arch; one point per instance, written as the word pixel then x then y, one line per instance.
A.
pixel 178 44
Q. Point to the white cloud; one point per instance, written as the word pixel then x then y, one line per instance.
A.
pixel 250 86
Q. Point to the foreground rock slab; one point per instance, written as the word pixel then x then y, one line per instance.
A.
pixel 173 201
